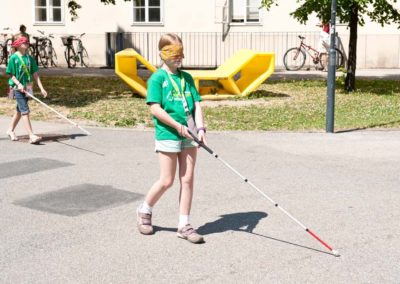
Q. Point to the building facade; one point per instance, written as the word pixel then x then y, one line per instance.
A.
pixel 211 29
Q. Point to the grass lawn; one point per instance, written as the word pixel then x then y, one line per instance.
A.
pixel 276 105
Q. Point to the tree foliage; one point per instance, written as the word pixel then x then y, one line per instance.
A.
pixel 74 6
pixel 379 11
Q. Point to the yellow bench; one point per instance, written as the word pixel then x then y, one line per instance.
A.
pixel 238 76
pixel 126 62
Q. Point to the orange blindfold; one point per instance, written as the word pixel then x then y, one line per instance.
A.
pixel 172 51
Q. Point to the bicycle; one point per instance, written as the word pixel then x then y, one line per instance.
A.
pixel 295 57
pixel 72 55
pixel 43 51
pixel 5 46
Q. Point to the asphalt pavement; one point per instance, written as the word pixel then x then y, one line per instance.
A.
pixel 67 209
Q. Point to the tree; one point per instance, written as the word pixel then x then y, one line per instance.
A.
pixel 352 12
pixel 73 6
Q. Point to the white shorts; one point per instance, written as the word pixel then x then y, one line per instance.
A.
pixel 324 42
pixel 173 146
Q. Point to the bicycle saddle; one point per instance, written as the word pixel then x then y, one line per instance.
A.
pixel 302 37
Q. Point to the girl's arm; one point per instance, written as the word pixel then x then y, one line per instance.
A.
pixel 17 83
pixel 164 117
pixel 198 115
pixel 39 83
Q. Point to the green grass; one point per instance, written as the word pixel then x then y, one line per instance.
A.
pixel 276 105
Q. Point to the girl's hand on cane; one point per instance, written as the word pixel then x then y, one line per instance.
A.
pixel 183 131
pixel 202 136
pixel 44 93
pixel 21 88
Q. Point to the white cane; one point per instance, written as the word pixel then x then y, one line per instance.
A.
pixel 59 114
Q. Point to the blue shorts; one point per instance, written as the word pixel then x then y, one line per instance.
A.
pixel 22 103
pixel 173 146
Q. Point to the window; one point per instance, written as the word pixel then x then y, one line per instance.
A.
pixel 147 11
pixel 49 11
pixel 245 11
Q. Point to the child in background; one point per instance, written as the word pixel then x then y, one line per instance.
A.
pixel 22 69
pixel 324 44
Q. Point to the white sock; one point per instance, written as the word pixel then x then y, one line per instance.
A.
pixel 183 221
pixel 145 208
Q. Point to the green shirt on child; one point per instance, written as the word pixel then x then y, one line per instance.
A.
pixel 161 91
pixel 15 68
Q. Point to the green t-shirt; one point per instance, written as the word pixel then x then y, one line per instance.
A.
pixel 14 68
pixel 161 91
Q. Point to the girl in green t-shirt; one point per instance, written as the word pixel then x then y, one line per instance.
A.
pixel 174 103
pixel 22 69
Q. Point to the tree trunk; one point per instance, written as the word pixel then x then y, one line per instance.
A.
pixel 350 82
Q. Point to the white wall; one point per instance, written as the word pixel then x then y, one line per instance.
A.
pixel 95 19
pixel 179 16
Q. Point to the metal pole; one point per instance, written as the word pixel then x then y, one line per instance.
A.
pixel 330 105
pixel 108 50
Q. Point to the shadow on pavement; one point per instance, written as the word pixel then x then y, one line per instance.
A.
pixel 368 127
pixel 51 137
pixel 59 138
pixel 245 221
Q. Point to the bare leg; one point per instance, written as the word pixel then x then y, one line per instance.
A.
pixel 324 61
pixel 167 176
pixel 14 122
pixel 187 161
pixel 27 124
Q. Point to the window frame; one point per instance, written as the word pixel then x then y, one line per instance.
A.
pixel 245 22
pixel 147 10
pixel 49 11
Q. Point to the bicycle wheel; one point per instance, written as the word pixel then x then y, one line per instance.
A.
pixel 294 59
pixel 1 54
pixel 43 57
pixel 339 59
pixel 70 57
pixel 53 57
pixel 31 51
pixel 8 50
pixel 84 58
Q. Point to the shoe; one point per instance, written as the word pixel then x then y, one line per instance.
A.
pixel 12 135
pixel 190 234
pixel 34 139
pixel 144 223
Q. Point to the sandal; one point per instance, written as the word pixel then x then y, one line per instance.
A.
pixel 190 234
pixel 12 135
pixel 144 223
pixel 34 139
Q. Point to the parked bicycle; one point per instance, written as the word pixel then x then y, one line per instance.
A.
pixel 5 46
pixel 295 57
pixel 75 53
pixel 43 51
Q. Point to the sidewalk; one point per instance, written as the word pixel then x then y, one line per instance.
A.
pixel 67 209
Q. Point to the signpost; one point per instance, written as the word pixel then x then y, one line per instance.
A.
pixel 330 105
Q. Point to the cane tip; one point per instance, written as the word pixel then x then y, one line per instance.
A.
pixel 336 253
